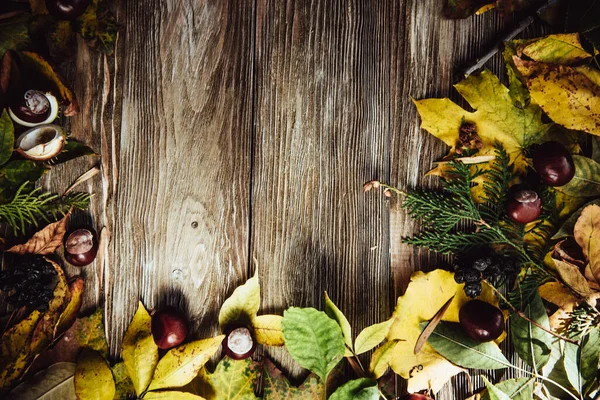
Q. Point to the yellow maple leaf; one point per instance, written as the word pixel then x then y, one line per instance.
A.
pixel 427 369
pixel 496 119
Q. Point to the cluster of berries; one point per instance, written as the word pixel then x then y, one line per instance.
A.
pixel 30 282
pixel 483 263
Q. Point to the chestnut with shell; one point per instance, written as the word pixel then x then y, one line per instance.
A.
pixel 41 143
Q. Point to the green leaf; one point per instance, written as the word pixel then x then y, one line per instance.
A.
pixel 567 227
pixel 555 369
pixel 13 33
pixel 139 352
pixel 586 182
pixel 313 339
pixel 243 304
pixel 358 389
pixel 589 354
pixel 449 340
pixel 571 365
pixel 564 49
pixel 15 173
pixel 7 137
pixel 123 385
pixel 93 377
pixel 232 380
pixel 494 392
pixel 371 336
pixel 180 365
pixel 277 387
pixel 334 313
pixel 515 389
pixel 72 150
pixel 532 343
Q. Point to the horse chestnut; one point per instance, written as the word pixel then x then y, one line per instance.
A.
pixel 481 321
pixel 81 247
pixel 239 343
pixel 67 9
pixel 169 327
pixel 524 206
pixel 34 108
pixel 554 164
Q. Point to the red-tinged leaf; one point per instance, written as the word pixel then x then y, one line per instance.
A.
pixel 277 387
pixel 46 241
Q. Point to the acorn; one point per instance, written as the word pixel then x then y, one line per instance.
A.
pixel 239 342
pixel 170 327
pixel 81 247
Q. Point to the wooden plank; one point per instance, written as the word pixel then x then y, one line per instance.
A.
pixel 321 131
pixel 176 159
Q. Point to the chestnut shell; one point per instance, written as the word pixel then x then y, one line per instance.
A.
pixel 81 247
pixel 170 327
pixel 67 9
pixel 481 321
pixel 524 206
pixel 553 163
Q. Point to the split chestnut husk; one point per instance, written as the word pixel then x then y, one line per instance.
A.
pixel 41 143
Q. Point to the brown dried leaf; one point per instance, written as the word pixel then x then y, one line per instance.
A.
pixel 572 277
pixel 587 235
pixel 45 241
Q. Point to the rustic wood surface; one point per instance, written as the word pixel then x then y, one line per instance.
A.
pixel 239 130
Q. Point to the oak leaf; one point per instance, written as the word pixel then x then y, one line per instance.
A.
pixel 427 369
pixel 45 241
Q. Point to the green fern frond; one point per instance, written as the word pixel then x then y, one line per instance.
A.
pixel 29 207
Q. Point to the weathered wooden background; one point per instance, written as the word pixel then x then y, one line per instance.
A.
pixel 234 130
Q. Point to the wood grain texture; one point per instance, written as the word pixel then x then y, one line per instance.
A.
pixel 321 131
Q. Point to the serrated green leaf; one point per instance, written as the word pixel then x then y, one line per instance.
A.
pixel 313 339
pixel 371 336
pixel 139 352
pixel 516 389
pixel 93 377
pixel 277 387
pixel 449 340
pixel 531 343
pixel 493 392
pixel 243 304
pixel 232 380
pixel 180 365
pixel 358 389
pixel 338 316
pixel 7 137
pixel 590 354
pixel 586 182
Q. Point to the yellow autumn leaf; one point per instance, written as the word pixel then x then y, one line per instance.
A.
pixel 427 369
pixel 139 351
pixel 267 329
pixel 561 296
pixel 380 360
pixel 232 380
pixel 564 49
pixel 569 95
pixel 371 336
pixel 243 304
pixel 338 316
pixel 180 365
pixel 587 236
pixel 171 395
pixel 69 315
pixel 93 377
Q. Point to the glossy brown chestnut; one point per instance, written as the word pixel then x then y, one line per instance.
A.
pixel 524 206
pixel 67 9
pixel 81 247
pixel 170 327
pixel 554 164
pixel 239 342
pixel 481 321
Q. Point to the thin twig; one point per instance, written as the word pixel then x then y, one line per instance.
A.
pixel 521 26
pixel 525 317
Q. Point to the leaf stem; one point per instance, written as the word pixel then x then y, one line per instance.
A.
pixel 525 317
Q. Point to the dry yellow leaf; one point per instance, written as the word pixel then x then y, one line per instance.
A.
pixel 267 329
pixel 587 236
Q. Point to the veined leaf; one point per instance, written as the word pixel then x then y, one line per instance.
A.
pixel 452 343
pixel 14 34
pixel 277 387
pixel 232 380
pixel 587 236
pixel 572 276
pixel 371 336
pixel 7 137
pixel 243 304
pixel 358 389
pixel 564 49
pixel 123 385
pixel 381 358
pixel 494 392
pixel 139 352
pixel 46 241
pixel 567 227
pixel 171 395
pixel 586 182
pixel 589 355
pixel 267 329
pixel 53 383
pixel 313 339
pixel 69 315
pixel 93 378
pixel 516 389
pixel 338 316
pixel 180 365
pixel 571 365
pixel 531 343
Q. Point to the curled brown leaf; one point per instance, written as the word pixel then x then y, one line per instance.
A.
pixel 46 241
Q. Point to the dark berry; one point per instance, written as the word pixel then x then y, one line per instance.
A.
pixel 473 289
pixel 472 275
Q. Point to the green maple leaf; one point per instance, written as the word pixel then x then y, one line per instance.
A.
pixel 277 387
